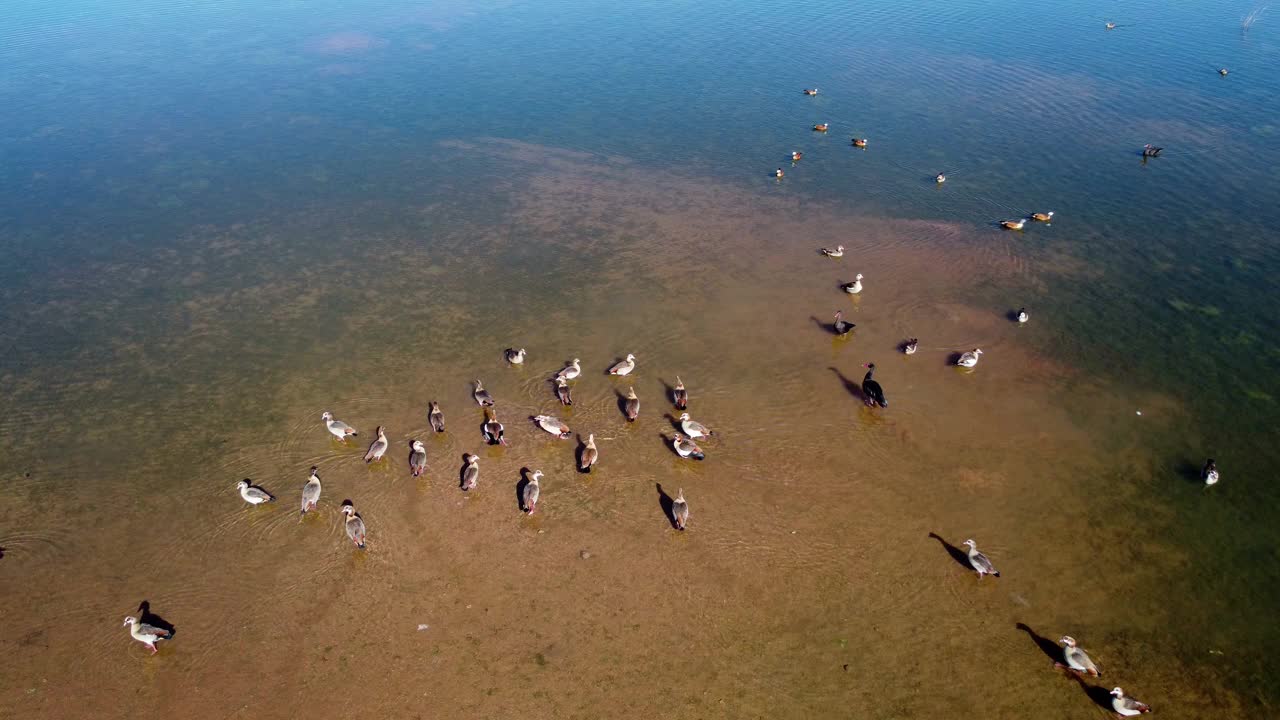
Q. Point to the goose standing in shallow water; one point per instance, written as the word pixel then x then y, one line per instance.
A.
pixel 940 178
pixel 687 448
pixel 436 417
pixel 417 458
pixel 493 430
pixel 910 346
pixel 838 252
pixel 531 492
pixel 1150 151
pixel 1125 705
pixel 871 389
pixel 680 396
pixel 1013 224
pixel 563 392
pixel 1223 72
pixel 631 406
pixel 811 91
pixel 514 356
pixel 840 326
pixel 625 367
pixel 1023 316
pixel 1042 217
pixel 148 635
pixel 311 491
pixel 339 429
pixel 1077 659
pixel 680 511
pixel 553 425
pixel 1210 472
pixel 571 371
pixel 855 287
pixel 980 562
pixel 253 494
pixel 471 473
pixel 970 358
pixel 482 396
pixel 354 524
pixel 378 447
pixel 590 454
pixel 693 428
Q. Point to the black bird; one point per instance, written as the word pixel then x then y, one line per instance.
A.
pixel 840 325
pixel 1150 150
pixel 872 390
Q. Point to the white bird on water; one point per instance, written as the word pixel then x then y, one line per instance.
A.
pixel 339 429
pixel 571 371
pixel 311 492
pixel 354 524
pixel 693 428
pixel 970 358
pixel 1127 706
pixel 378 447
pixel 625 367
pixel 980 562
pixel 531 492
pixel 148 635
pixel 1077 659
pixel 253 494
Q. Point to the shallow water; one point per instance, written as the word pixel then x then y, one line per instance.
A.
pixel 226 219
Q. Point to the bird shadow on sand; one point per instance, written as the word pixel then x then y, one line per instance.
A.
pixel 521 484
pixel 1190 472
pixel 1012 316
pixel 1050 648
pixel 668 390
pixel 1097 693
pixel 960 556
pixel 675 423
pixel 954 358
pixel 851 387
pixel 668 441
pixel 668 506
pixel 146 617
pixel 621 398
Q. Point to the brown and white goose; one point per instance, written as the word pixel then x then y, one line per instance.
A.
pixel 680 396
pixel 482 396
pixel 590 454
pixel 493 431
pixel 563 392
pixel 625 367
pixel 553 425
pixel 378 447
pixel 148 635
pixel 339 429
pixel 680 511
pixel 311 492
pixel 532 490
pixel 354 524
pixel 436 417
pixel 631 407
pixel 417 458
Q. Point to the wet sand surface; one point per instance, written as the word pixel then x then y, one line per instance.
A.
pixel 809 583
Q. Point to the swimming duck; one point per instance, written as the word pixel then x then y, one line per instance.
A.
pixel 482 396
pixel 1127 706
pixel 492 429
pixel 1150 150
pixel 1210 472
pixel 631 407
pixel 680 396
pixel 563 392
pixel 680 510
pixel 1077 659
pixel 1042 217
pixel 778 173
pixel 811 91
pixel 1013 224
pixel 571 371
pixel 339 429
pixel 687 448
pixel 471 473
pixel 1111 26
pixel 436 417
pixel 1023 316
pixel 590 454
pixel 693 428
pixel 860 142
pixel 515 357
pixel 625 367
pixel 311 491
pixel 355 525
pixel 854 287
pixel 252 494
pixel 871 389
pixel 417 458
pixel 796 155
pixel 838 252
pixel 940 178
pixel 378 447
pixel 820 127
pixel 911 346
pixel 1222 72
pixel 969 359
pixel 531 492
pixel 980 562
pixel 148 635
pixel 553 425
pixel 840 326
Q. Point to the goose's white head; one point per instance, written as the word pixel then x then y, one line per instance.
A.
pixel 858 276
pixel 1118 692
pixel 971 543
pixel 242 485
pixel 536 474
pixel 684 416
pixel 1068 641
pixel 326 415
pixel 417 445
pixel 130 620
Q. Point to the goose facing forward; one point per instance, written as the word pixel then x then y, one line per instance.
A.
pixel 940 178
pixel 980 562
pixel 378 447
pixel 871 389
pixel 855 287
pixel 837 252
pixel 778 173
pixel 624 367
pixel 493 431
pixel 532 489
pixel 693 428
pixel 680 511
pixel 311 492
pixel 590 454
pixel 417 458
pixel 339 429
pixel 148 635
pixel 1210 472
pixel 1076 658
pixel 631 405
pixel 470 473
pixel 796 155
pixel 253 494
pixel 571 371
pixel 553 425
pixel 680 396
pixel 1022 315
pixel 514 356
pixel 1125 705
pixel 482 396
pixel 354 524
pixel 970 358
pixel 436 417
pixel 687 448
